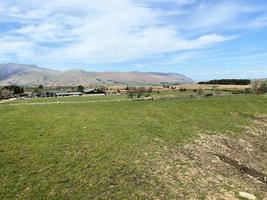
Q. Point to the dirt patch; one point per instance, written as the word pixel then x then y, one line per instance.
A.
pixel 217 166
pixel 242 168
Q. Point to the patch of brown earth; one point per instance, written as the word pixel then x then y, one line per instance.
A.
pixel 217 166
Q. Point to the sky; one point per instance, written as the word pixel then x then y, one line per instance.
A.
pixel 203 39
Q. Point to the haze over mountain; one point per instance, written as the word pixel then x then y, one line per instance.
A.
pixel 31 75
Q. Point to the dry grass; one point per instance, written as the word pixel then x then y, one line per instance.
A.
pixel 196 172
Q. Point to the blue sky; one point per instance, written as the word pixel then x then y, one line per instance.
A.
pixel 203 39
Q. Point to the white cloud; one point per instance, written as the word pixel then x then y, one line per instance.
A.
pixel 78 31
pixel 177 2
pixel 223 16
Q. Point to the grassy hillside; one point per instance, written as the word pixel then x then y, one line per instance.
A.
pixel 104 150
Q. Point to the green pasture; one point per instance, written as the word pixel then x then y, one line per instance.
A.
pixel 103 149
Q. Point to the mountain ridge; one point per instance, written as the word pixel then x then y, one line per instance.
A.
pixel 31 75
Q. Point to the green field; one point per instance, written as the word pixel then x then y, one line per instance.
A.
pixel 90 149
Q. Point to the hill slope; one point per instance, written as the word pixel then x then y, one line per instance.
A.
pixel 33 75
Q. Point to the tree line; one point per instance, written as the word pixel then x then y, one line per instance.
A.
pixel 11 91
pixel 15 91
pixel 227 82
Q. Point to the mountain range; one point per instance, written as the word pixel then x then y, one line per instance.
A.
pixel 32 75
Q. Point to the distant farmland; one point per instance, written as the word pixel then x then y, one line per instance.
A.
pixel 114 148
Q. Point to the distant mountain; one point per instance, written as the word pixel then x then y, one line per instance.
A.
pixel 32 75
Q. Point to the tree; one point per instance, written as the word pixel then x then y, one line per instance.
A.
pixel 131 91
pixel 41 87
pixel 39 90
pixel 103 88
pixel 200 92
pixel 6 94
pixel 217 93
pixel 15 89
pixel 80 88
pixel 149 90
pixel 255 86
pixel 216 90
pixel 140 91
pixel 130 95
pixel 263 88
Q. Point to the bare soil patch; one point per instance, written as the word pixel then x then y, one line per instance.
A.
pixel 217 166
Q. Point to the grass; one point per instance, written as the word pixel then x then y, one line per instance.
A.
pixel 102 150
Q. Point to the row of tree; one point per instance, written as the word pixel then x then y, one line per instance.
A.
pixel 138 92
pixel 11 91
pixel 228 82
pixel 18 91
